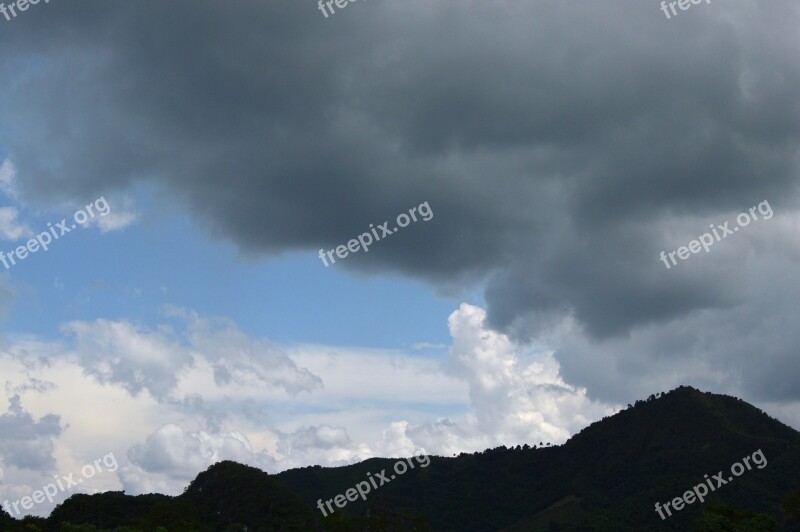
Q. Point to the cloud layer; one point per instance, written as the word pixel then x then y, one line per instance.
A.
pixel 562 147
pixel 104 386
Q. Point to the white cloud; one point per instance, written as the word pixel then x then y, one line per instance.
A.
pixel 241 360
pixel 326 445
pixel 174 456
pixel 205 391
pixel 121 214
pixel 8 175
pixel 390 375
pixel 10 228
pixel 516 395
pixel 138 359
pixel 122 354
pixel 122 387
pixel 114 221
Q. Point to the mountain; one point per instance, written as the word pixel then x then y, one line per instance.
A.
pixel 227 496
pixel 607 477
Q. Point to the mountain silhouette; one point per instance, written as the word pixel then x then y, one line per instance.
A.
pixel 607 477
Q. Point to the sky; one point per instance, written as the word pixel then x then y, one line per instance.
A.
pixel 539 212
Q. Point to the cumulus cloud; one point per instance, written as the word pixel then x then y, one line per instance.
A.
pixel 238 359
pixel 138 359
pixel 123 354
pixel 180 455
pixel 516 395
pixel 323 444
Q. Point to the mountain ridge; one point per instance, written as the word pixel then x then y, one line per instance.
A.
pixel 608 476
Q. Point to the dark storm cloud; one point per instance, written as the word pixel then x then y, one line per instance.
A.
pixel 556 142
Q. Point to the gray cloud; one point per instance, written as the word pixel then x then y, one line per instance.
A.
pixel 26 443
pixel 138 359
pixel 237 358
pixel 559 144
pixel 122 354
pixel 181 454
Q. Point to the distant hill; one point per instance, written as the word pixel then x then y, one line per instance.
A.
pixel 607 477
